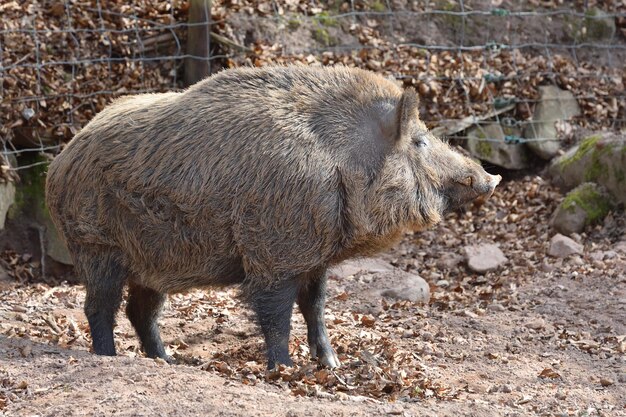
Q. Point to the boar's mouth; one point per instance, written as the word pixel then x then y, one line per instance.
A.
pixel 469 189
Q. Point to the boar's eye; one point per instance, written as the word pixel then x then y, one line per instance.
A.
pixel 421 141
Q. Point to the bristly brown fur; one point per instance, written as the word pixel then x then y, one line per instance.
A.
pixel 252 174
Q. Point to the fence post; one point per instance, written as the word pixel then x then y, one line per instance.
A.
pixel 198 41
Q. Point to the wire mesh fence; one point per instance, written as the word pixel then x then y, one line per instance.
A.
pixel 471 61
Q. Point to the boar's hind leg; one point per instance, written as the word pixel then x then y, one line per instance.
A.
pixel 104 278
pixel 312 300
pixel 143 309
pixel 273 306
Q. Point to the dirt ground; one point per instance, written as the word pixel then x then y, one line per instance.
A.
pixel 539 336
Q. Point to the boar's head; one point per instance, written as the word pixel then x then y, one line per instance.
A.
pixel 422 176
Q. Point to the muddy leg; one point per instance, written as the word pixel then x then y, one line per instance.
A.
pixel 273 307
pixel 104 278
pixel 312 300
pixel 143 309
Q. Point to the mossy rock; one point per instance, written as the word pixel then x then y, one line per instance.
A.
pixel 323 37
pixel 595 26
pixel 452 19
pixel 30 199
pixel 597 158
pixel 378 6
pixel 7 200
pixel 585 205
pixel 325 19
pixel 294 23
pixel 30 204
pixel 486 142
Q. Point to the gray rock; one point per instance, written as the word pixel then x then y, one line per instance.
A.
pixel 597 255
pixel 4 275
pixel 484 257
pixel 554 105
pixel 6 281
pixel 536 324
pixel 620 246
pixel 600 159
pixel 506 388
pixel 562 246
pixel 7 198
pixel 55 246
pixel 31 208
pixel 414 288
pixel 610 254
pixel 370 287
pixel 486 142
pixel 595 26
pixel 495 307
pixel 28 113
pixel 356 266
pixel 584 205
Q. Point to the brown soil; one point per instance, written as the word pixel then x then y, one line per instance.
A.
pixel 541 336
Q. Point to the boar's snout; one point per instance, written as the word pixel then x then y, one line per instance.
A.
pixel 476 184
pixel 482 184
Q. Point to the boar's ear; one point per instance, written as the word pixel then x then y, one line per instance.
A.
pixel 406 112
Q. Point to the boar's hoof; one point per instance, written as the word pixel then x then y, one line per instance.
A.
pixel 330 360
pixel 325 355
pixel 274 363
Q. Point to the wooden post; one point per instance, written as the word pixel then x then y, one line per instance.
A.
pixel 198 41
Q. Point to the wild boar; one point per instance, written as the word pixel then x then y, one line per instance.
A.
pixel 261 177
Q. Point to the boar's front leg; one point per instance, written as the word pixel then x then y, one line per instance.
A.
pixel 143 309
pixel 273 305
pixel 312 300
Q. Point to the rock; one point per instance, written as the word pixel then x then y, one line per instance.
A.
pixel 414 289
pixel 30 209
pixel 584 205
pixel 356 266
pixel 554 105
pixel 506 388
pixel 4 275
pixel 6 281
pixel 595 159
pixel 483 258
pixel 547 267
pixel 606 382
pixel 495 307
pixel 428 337
pixel 536 324
pixel 407 334
pixel 596 26
pixel 562 246
pixel 7 198
pixel 487 143
pixel 55 246
pixel 28 113
pixel 577 237
pixel 370 288
pixel 620 247
pixel 597 255
pixel 26 351
pixel 560 395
